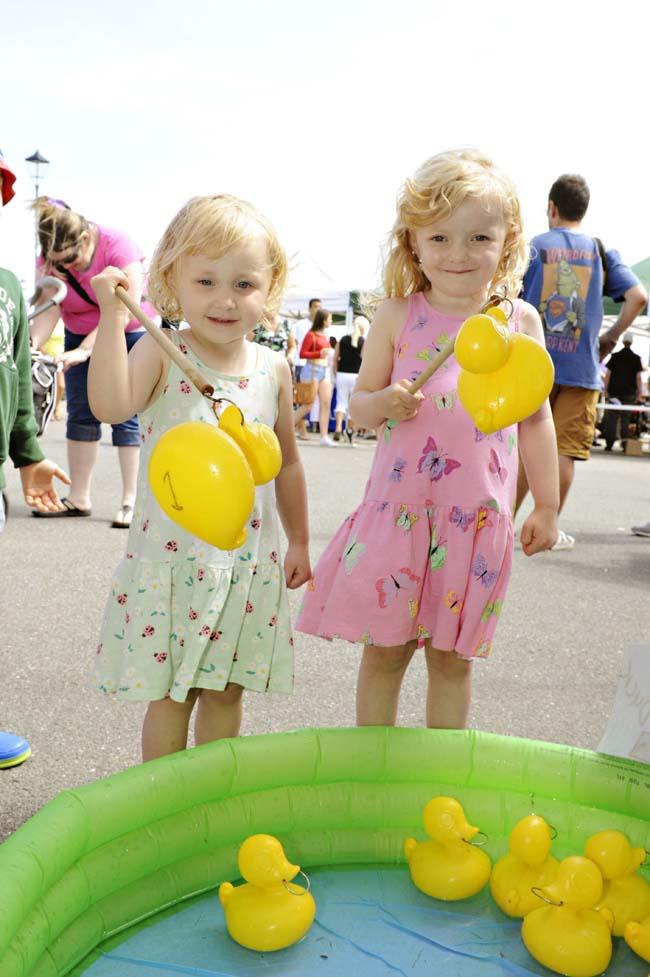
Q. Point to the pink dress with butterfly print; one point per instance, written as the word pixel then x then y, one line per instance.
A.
pixel 427 555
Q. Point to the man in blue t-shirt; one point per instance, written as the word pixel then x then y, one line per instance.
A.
pixel 565 281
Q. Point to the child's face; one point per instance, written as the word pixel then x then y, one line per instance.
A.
pixel 224 298
pixel 460 253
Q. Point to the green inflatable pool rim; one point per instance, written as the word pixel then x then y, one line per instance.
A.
pixel 101 858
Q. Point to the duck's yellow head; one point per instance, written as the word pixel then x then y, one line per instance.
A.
pixel 530 840
pixel 613 854
pixel 579 884
pixel 262 861
pixel 444 820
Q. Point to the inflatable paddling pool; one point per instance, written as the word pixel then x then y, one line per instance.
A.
pixel 119 877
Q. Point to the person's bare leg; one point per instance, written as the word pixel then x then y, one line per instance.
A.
pixel 567 470
pixel 325 402
pixel 218 714
pixel 165 726
pixel 82 456
pixel 449 689
pixel 339 415
pixel 379 682
pixel 299 417
pixel 129 456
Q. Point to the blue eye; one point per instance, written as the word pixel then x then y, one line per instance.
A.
pixel 481 237
pixel 244 285
pixel 437 238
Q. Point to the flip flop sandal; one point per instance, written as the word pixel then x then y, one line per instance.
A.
pixel 69 510
pixel 123 518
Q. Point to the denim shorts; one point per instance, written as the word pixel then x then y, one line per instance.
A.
pixel 82 425
pixel 312 372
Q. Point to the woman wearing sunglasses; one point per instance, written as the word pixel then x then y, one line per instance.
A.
pixel 75 249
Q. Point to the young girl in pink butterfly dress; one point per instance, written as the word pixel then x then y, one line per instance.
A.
pixel 425 560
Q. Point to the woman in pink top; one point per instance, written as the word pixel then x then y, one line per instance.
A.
pixel 424 561
pixel 75 249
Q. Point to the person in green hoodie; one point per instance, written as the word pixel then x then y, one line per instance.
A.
pixel 17 423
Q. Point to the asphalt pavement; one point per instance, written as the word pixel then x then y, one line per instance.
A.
pixel 552 674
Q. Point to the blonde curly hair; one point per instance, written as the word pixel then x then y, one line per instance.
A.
pixel 212 225
pixel 434 192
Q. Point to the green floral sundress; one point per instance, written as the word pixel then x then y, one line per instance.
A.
pixel 181 613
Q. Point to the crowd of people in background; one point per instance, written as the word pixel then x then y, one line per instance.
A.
pixel 325 368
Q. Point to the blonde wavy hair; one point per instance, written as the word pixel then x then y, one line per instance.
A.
pixel 212 226
pixel 434 192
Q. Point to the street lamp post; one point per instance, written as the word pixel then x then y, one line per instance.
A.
pixel 38 166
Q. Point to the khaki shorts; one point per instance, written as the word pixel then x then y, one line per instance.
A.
pixel 574 416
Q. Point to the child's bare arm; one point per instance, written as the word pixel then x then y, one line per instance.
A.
pixel 120 384
pixel 375 399
pixel 538 451
pixel 290 487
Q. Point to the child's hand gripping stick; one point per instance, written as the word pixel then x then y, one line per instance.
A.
pixel 505 376
pixel 204 477
pixel 165 343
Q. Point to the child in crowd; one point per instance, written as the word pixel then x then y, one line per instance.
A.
pixel 187 622
pixel 425 559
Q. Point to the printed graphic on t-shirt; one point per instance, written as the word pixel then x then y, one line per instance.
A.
pixel 7 308
pixel 565 285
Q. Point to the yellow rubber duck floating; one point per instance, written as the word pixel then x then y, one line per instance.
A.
pixel 505 376
pixel 528 865
pixel 571 936
pixel 637 937
pixel 625 893
pixel 447 867
pixel 268 912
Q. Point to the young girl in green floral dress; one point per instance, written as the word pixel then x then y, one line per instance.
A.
pixel 186 622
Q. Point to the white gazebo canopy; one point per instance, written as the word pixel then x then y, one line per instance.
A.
pixel 307 280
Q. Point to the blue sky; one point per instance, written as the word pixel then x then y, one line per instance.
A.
pixel 316 112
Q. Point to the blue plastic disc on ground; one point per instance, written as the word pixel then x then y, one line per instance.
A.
pixel 13 749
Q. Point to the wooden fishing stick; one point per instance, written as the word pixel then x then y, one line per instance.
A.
pixel 434 365
pixel 195 376
pixel 446 352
